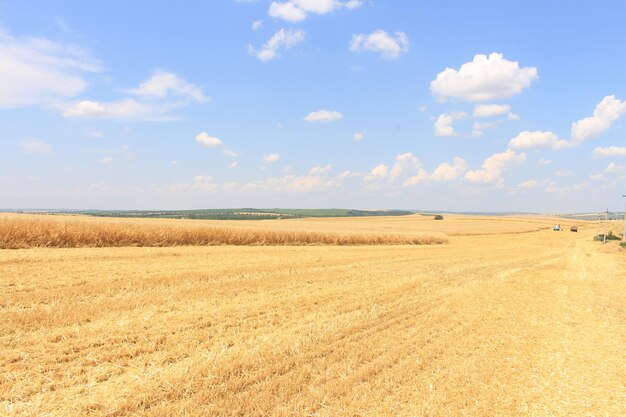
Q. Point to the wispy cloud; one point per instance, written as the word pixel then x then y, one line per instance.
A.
pixel 281 40
pixel 36 146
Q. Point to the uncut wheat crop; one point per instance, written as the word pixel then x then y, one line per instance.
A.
pixel 25 231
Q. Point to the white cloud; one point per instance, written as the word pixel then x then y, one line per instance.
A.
pixel 561 173
pixel 609 152
pixel 353 4
pixel 479 127
pixel 96 134
pixel 604 115
pixel 613 168
pixel 271 158
pixel 257 24
pixel 443 125
pixel 283 39
pixel 537 140
pixel 296 10
pixel 450 172
pixel 358 136
pixel 379 172
pixel 36 71
pixel 233 164
pixel 489 110
pixel 553 188
pixel 125 109
pixel 380 41
pixel 230 153
pixel 529 184
pixel 204 139
pixel 174 162
pixel 422 176
pixel 484 78
pixel 164 85
pixel 293 183
pixel 348 174
pixel 404 162
pixel 156 98
pixel 323 116
pixel 36 146
pixel 492 168
pixel 544 162
pixel 286 11
pixel 107 160
pixel 320 170
pixel 202 178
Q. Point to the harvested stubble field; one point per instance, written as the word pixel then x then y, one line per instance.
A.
pixel 502 324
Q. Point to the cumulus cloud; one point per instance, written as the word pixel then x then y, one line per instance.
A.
pixel 348 174
pixel 256 25
pixel 379 172
pixel 281 40
pixel 154 100
pixel 204 139
pixel 613 168
pixel 323 116
pixel 422 176
pixel 358 136
pixel 320 170
pixel 293 183
pixel 537 140
pixel 604 115
pixel 444 172
pixel 493 167
pixel 391 47
pixel 404 162
pixel 450 172
pixel 609 152
pixel 36 146
pixel 287 11
pixel 271 158
pixel 297 10
pixel 443 124
pixel 484 78
pixel 36 71
pixel 107 160
pixel 489 110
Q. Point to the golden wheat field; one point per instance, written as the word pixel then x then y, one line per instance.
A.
pixel 503 318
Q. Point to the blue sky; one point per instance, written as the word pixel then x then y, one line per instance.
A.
pixel 450 105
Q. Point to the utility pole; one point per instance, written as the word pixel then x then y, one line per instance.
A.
pixel 624 236
pixel 606 219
